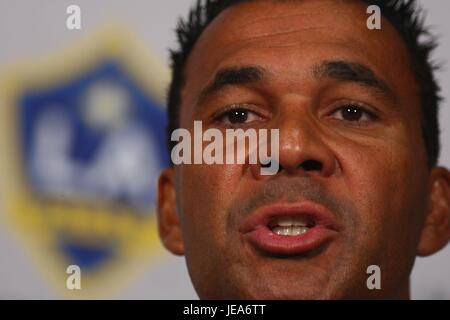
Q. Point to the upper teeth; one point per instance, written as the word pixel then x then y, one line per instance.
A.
pixel 290 231
pixel 290 226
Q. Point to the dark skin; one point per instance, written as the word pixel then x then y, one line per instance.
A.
pixel 370 161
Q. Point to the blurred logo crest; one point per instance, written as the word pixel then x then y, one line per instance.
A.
pixel 83 147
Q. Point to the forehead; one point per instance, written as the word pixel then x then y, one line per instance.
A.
pixel 287 37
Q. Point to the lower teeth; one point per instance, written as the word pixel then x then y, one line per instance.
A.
pixel 290 231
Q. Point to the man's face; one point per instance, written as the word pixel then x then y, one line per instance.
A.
pixel 350 148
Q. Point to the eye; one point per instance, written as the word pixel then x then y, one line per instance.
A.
pixel 353 113
pixel 237 115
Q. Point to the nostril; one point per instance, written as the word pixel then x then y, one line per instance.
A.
pixel 311 165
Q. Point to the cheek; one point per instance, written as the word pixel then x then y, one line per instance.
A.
pixel 389 191
pixel 206 192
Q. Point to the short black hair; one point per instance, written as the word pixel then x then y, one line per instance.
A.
pixel 404 15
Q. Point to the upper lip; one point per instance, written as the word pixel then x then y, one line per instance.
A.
pixel 317 213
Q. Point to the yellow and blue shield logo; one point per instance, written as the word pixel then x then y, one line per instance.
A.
pixel 83 141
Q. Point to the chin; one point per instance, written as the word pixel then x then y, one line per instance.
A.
pixel 282 291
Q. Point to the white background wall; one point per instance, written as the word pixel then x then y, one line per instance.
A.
pixel 30 28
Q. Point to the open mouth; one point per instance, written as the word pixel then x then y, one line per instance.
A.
pixel 290 228
pixel 290 225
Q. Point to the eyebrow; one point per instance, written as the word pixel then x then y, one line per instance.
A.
pixel 353 72
pixel 340 70
pixel 233 76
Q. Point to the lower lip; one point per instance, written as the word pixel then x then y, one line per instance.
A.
pixel 265 239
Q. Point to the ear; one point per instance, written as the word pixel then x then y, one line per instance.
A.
pixel 169 226
pixel 436 230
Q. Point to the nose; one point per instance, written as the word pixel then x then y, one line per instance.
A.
pixel 303 148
